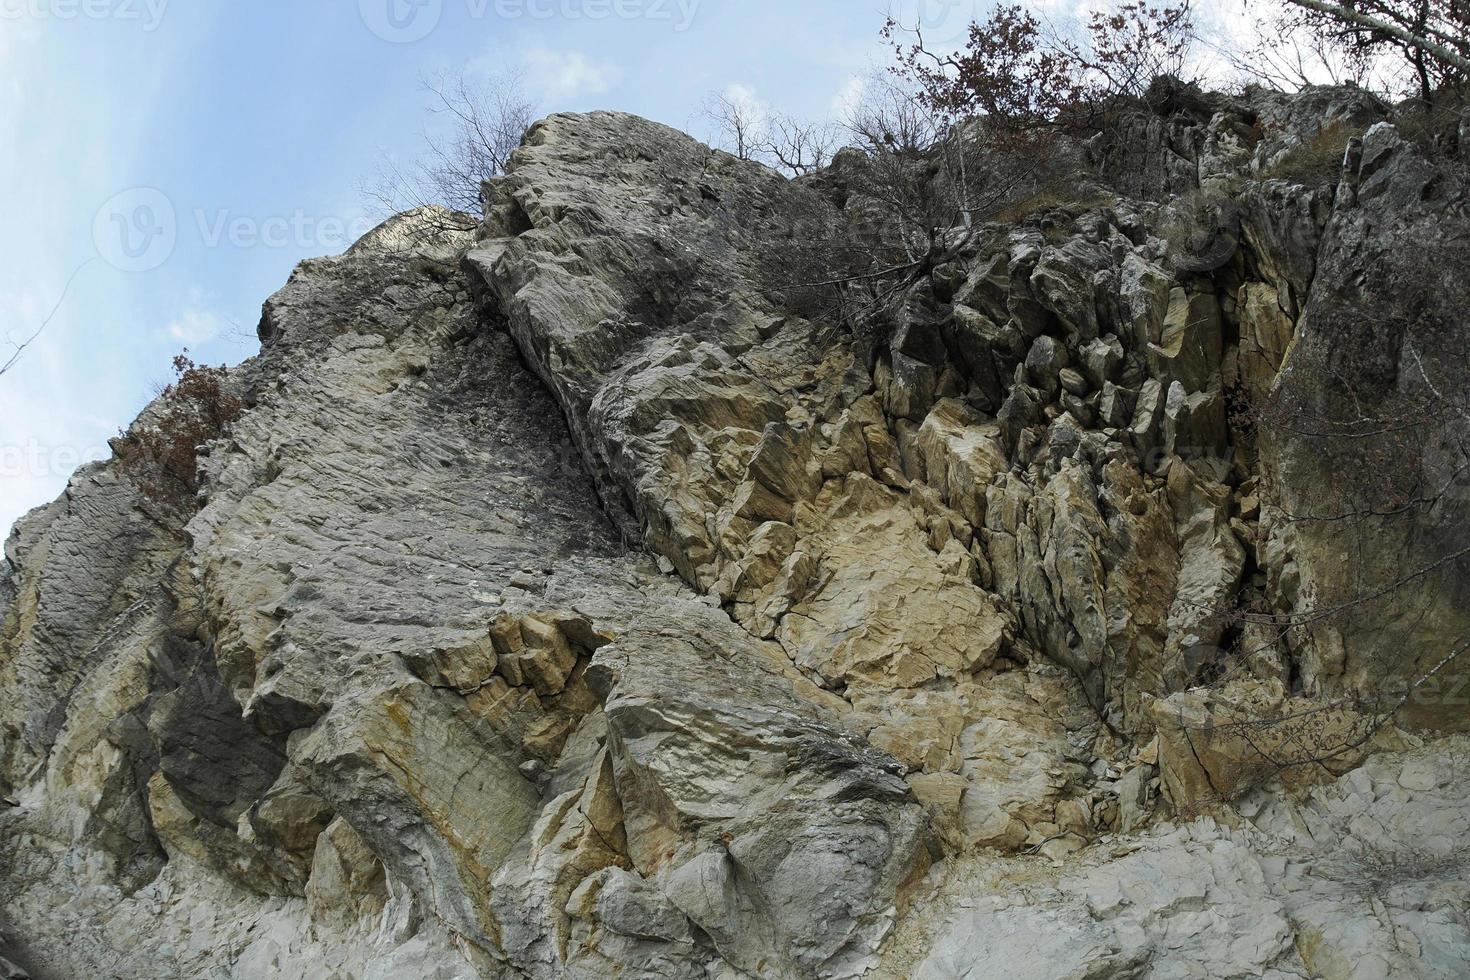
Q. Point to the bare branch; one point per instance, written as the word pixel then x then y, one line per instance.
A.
pixel 487 121
pixel 1379 25
pixel 19 347
pixel 797 146
pixel 738 124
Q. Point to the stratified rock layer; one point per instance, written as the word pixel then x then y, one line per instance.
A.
pixel 567 602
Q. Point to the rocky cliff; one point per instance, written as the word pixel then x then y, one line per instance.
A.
pixel 569 601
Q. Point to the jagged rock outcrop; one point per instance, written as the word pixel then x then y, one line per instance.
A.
pixel 568 600
pixel 1359 880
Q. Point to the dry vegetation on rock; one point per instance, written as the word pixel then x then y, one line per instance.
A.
pixel 161 451
pixel 1036 536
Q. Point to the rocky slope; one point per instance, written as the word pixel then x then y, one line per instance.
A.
pixel 567 601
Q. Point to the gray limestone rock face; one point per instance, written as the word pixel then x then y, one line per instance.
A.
pixel 405 579
pixel 1320 887
pixel 76 569
pixel 1385 319
pixel 575 596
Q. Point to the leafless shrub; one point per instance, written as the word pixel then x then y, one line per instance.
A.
pixel 160 453
pixel 1429 39
pixel 891 117
pixel 486 120
pixel 1285 56
pixel 740 126
pixel 799 147
pixel 1373 870
pixel 1026 78
pixel 784 142
pixel 916 192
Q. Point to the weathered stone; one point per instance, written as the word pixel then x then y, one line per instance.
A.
pixel 1133 797
pixel 1101 360
pixel 1266 335
pixel 394 697
pixel 1115 407
pixel 1144 291
pixel 1148 414
pixel 961 456
pixel 1194 426
pixel 1063 281
pixel 1189 350
pixel 1044 363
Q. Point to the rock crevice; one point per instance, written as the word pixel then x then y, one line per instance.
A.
pixel 570 601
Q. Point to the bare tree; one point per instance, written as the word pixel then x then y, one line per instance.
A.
pixel 933 180
pixel 798 146
pixel 18 348
pixel 1431 36
pixel 1285 56
pixel 486 121
pixel 891 117
pixel 1394 47
pixel 909 215
pixel 783 142
pixel 739 124
pixel 1024 76
pixel 915 199
pixel 489 121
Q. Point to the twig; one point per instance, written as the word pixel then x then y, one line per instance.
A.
pixel 20 348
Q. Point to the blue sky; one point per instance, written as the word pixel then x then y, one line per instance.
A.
pixel 175 158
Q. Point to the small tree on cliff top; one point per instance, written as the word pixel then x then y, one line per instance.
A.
pixel 487 119
pixel 751 131
pixel 1021 76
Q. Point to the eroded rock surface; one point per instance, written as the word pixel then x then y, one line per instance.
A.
pixel 570 601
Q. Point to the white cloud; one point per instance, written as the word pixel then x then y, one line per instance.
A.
pixel 752 106
pixel 848 98
pixel 196 324
pixel 562 75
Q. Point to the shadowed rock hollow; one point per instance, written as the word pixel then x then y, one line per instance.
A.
pixel 566 602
